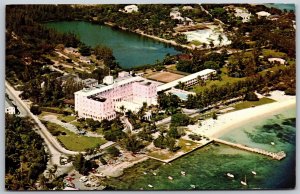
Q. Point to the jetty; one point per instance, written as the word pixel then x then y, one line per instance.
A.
pixel 278 156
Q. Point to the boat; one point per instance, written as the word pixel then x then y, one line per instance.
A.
pixel 244 182
pixel 170 178
pixel 193 186
pixel 144 173
pixel 253 172
pixel 182 173
pixel 272 143
pixel 230 175
pixel 154 173
pixel 150 186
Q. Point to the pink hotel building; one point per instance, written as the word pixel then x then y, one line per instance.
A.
pixel 102 101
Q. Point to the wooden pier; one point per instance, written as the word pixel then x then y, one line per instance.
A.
pixel 278 156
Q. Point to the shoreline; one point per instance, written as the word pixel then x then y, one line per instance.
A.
pixel 232 120
pixel 172 42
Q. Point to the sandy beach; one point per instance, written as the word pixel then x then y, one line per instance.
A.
pixel 228 121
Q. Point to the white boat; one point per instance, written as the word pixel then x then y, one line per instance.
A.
pixel 230 175
pixel 154 173
pixel 144 173
pixel 193 186
pixel 253 172
pixel 170 178
pixel 272 143
pixel 150 186
pixel 244 182
pixel 182 173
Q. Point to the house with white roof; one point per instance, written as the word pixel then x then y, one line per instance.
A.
pixel 277 60
pixel 243 13
pixel 187 7
pixel 262 14
pixel 131 8
pixel 189 80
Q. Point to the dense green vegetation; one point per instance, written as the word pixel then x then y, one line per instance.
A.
pixel 25 156
pixel 82 165
pixel 280 79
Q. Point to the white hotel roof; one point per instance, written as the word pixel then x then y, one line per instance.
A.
pixel 117 82
pixel 184 79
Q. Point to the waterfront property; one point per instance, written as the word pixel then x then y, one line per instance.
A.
pixel 102 101
pixel 189 80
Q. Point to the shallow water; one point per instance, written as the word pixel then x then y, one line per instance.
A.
pixel 206 168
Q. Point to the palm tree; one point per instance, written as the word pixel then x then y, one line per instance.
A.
pixel 122 108
pixel 211 44
pixel 181 85
pixel 50 173
pixel 220 38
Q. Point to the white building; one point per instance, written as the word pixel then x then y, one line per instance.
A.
pixel 243 13
pixel 9 107
pixel 90 82
pixel 187 7
pixel 263 14
pixel 131 8
pixel 277 60
pixel 175 15
pixel 104 100
pixel 189 80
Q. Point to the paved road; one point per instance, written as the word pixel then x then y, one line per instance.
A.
pixel 23 112
pixel 52 144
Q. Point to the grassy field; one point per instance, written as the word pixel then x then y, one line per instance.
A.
pixel 61 117
pixel 186 146
pixel 248 104
pixel 73 141
pixel 273 53
pixel 81 125
pixel 195 42
pixel 209 83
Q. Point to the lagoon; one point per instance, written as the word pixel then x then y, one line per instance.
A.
pixel 130 49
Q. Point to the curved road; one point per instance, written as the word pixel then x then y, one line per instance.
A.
pixel 53 145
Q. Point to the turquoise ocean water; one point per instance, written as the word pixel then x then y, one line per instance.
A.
pixel 206 168
pixel 282 6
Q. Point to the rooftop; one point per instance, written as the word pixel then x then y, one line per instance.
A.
pixel 101 87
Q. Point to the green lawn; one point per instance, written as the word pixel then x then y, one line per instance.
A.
pixel 248 104
pixel 81 125
pixel 59 116
pixel 166 155
pixel 73 141
pixel 273 53
pixel 209 83
pixel 195 42
pixel 66 118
